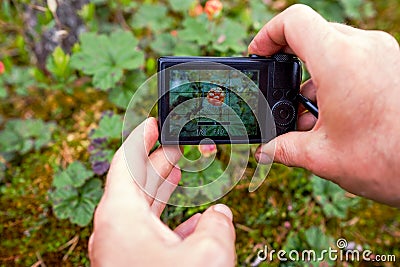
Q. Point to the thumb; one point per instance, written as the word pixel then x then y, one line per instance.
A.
pixel 290 149
pixel 213 239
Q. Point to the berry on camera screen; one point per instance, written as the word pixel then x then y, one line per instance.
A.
pixel 215 103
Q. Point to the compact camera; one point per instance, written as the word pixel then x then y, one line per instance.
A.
pixel 227 100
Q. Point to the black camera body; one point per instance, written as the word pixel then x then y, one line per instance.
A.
pixel 203 99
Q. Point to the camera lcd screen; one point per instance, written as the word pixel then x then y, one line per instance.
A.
pixel 215 103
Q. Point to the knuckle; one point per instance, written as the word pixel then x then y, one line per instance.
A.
pixel 297 9
pixel 284 152
pixel 385 39
pixel 301 12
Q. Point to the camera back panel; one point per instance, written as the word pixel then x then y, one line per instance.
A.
pixel 227 100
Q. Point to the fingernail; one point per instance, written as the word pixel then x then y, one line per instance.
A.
pixel 221 208
pixel 264 158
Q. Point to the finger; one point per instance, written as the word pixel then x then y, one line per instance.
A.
pixel 309 90
pixel 213 237
pixel 126 171
pixel 165 190
pixel 291 28
pixel 306 120
pixel 187 227
pixel 292 149
pixel 159 166
pixel 136 149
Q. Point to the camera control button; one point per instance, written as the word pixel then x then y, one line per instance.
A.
pixel 281 57
pixel 277 94
pixel 283 112
pixel 291 94
pixel 255 56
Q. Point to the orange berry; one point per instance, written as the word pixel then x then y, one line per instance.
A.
pixel 215 96
pixel 213 8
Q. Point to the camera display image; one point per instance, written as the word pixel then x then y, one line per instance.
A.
pixel 214 103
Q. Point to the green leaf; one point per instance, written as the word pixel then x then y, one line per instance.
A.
pixel 64 201
pixel 316 239
pixel 260 14
pixel 109 127
pixel 90 195
pixel 121 95
pixel 93 54
pixel 92 190
pixel 230 35
pixel 10 141
pixel 151 16
pixel 107 78
pixel 191 152
pixel 77 204
pixel 83 212
pixel 20 79
pixel 312 238
pixel 106 57
pixel 197 30
pixel 87 11
pixel 330 10
pixel 74 175
pixel 164 44
pixel 35 130
pixel 122 50
pixel 294 242
pixel 58 64
pixel 352 8
pixel 185 48
pixel 21 136
pixel 368 10
pixel 181 5
pixel 331 198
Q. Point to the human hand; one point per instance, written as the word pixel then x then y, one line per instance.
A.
pixel 127 227
pixel 355 78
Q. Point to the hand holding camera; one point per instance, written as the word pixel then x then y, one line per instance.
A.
pixel 355 81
